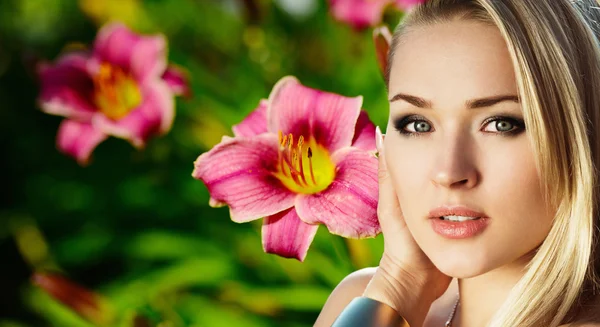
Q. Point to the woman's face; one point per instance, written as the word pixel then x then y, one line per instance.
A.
pixel 452 151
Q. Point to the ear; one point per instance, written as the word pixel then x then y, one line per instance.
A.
pixel 382 38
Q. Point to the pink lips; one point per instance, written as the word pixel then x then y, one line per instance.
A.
pixel 454 210
pixel 454 229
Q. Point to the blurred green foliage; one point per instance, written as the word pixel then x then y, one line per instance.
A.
pixel 134 226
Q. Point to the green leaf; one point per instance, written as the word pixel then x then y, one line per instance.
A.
pixel 54 312
pixel 164 244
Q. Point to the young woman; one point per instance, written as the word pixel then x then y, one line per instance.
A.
pixel 488 171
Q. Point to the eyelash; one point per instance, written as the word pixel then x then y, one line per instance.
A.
pixel 401 123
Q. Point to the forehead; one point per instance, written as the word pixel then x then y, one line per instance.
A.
pixel 451 62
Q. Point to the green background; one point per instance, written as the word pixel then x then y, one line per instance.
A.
pixel 134 226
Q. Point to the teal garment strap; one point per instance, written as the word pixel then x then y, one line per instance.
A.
pixel 366 312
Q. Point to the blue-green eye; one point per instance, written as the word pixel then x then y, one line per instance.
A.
pixel 505 124
pixel 419 125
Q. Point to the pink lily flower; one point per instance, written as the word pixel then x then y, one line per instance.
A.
pixel 304 157
pixel 362 14
pixel 122 88
pixel 407 4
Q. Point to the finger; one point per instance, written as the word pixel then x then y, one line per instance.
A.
pixel 388 206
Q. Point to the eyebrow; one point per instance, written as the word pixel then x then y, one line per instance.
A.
pixel 470 104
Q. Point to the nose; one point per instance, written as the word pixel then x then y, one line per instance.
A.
pixel 455 165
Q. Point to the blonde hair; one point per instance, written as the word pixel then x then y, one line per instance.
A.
pixel 555 51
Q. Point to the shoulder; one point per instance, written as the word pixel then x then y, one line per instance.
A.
pixel 350 287
pixel 354 285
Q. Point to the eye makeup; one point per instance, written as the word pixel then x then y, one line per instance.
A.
pixel 400 124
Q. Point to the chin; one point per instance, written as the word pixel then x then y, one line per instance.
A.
pixel 460 265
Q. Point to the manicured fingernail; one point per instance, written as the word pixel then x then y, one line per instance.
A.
pixel 378 139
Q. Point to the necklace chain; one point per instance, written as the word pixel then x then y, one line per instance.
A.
pixel 449 321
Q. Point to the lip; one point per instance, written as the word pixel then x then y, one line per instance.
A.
pixel 456 229
pixel 456 210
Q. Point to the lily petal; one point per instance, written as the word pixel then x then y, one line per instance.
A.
pixel 177 79
pixel 364 135
pixel 78 140
pixel 286 235
pixel 349 206
pixel 153 116
pixel 329 118
pixel 164 102
pixel 407 4
pixel 359 13
pixel 143 56
pixel 382 38
pixel 149 59
pixel 67 88
pixel 215 204
pixel 238 172
pixel 255 123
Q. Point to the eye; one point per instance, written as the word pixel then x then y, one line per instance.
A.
pixel 418 124
pixel 421 126
pixel 504 125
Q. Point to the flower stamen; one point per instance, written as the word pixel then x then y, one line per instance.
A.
pixel 312 175
pixel 293 170
pixel 115 92
pixel 282 141
pixel 299 150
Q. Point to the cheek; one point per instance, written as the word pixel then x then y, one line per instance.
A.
pixel 408 163
pixel 516 196
pixel 510 174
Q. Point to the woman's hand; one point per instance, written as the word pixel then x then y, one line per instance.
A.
pixel 406 279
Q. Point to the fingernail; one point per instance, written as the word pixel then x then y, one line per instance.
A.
pixel 378 139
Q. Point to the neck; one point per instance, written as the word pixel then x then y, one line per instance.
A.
pixel 483 295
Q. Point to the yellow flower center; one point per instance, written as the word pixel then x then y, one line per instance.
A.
pixel 304 167
pixel 116 93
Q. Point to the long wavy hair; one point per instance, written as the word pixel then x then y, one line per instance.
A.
pixel 555 52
